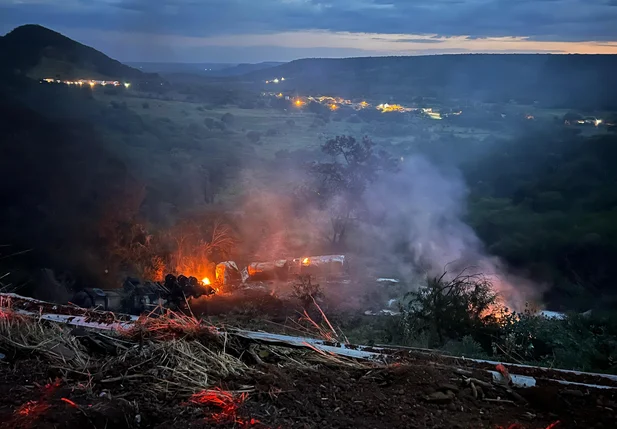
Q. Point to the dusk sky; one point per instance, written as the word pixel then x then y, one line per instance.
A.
pixel 282 30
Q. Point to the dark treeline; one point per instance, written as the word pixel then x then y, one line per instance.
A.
pixel 547 203
pixel 77 173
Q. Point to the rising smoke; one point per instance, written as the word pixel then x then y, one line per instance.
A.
pixel 415 228
pixel 422 232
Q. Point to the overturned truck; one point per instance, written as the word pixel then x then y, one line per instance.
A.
pixel 137 298
pixel 330 266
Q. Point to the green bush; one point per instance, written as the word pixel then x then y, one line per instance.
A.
pixel 452 309
pixel 466 347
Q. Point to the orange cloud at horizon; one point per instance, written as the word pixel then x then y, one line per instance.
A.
pixel 385 44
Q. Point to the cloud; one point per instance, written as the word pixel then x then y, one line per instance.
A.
pixel 416 40
pixel 412 22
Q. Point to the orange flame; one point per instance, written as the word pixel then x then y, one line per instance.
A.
pixel 306 262
pixel 206 281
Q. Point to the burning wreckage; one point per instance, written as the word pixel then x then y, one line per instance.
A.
pixel 137 297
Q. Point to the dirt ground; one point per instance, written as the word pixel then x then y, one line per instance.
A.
pixel 300 396
pixel 414 391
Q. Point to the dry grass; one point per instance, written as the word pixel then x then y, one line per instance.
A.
pixel 20 334
pixel 323 330
pixel 173 354
pixel 177 365
pixel 170 325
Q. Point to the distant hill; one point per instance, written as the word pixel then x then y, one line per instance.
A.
pixel 204 69
pixel 553 80
pixel 39 52
pixel 242 69
pixel 165 68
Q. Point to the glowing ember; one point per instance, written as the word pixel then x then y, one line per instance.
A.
pixel 206 281
pixel 227 402
pixel 68 401
pixel 553 425
pixel 306 262
pixel 31 409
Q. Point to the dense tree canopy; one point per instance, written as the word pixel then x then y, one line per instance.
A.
pixel 547 204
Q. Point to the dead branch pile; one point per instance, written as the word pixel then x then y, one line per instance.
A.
pixel 179 366
pixel 172 354
pixel 20 334
pixel 170 325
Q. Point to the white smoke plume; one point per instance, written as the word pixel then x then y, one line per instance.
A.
pixel 421 230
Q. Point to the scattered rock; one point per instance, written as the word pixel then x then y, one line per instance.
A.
pixel 446 387
pixel 573 392
pixel 440 397
pixel 63 351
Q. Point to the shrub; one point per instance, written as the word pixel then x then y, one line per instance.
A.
pixel 466 347
pixel 209 123
pixel 354 119
pixel 253 136
pixel 306 291
pixel 451 309
pixel 228 118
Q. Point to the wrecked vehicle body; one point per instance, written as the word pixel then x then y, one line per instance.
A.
pixel 138 298
pixel 287 269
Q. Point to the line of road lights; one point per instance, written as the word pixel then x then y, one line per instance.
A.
pixel 92 83
pixel 276 80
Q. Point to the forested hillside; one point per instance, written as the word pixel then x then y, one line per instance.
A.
pixel 547 202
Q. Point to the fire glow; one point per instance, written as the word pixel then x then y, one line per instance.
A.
pixel 228 403
pixel 553 425
pixel 206 281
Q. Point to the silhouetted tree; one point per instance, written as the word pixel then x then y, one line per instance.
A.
pixel 340 183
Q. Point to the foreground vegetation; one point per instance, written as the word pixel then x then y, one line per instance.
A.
pixel 464 317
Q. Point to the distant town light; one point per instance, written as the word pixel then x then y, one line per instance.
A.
pixel 126 85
